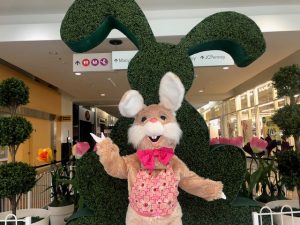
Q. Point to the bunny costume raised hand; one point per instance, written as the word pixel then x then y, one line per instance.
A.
pixel 154 172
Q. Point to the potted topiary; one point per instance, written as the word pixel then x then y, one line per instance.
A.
pixel 287 83
pixel 289 168
pixel 16 178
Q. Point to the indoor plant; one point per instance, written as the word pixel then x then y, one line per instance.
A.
pixel 16 177
pixel 289 168
pixel 287 83
pixel 62 204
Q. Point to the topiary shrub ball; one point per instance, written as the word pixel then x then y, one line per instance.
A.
pixel 16 178
pixel 14 130
pixel 13 92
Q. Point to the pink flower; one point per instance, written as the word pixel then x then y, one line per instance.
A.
pixel 258 145
pixel 237 141
pixel 225 141
pixel 80 149
pixel 214 141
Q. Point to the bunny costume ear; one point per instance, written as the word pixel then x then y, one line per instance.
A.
pixel 88 22
pixel 171 91
pixel 131 103
pixel 230 32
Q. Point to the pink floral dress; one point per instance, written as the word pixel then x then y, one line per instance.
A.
pixel 154 195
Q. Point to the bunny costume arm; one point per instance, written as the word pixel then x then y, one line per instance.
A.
pixel 113 163
pixel 194 184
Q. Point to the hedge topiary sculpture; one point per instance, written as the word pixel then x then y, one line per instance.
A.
pixel 86 24
pixel 16 177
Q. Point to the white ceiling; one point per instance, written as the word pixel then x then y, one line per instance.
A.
pixel 32 55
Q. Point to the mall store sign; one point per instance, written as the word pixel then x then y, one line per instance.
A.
pixel 119 60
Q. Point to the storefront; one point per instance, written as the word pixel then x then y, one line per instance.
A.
pixel 248 114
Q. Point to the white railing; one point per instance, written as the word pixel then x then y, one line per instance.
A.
pixel 276 218
pixel 13 218
pixel 38 197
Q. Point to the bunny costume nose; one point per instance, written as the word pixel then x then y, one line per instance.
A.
pixel 153 120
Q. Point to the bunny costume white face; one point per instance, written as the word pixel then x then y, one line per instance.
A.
pixel 155 125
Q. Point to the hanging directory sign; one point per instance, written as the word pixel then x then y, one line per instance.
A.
pixel 121 59
pixel 92 62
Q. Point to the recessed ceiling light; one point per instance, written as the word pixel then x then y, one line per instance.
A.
pixel 201 91
pixel 226 68
pixel 115 42
pixel 102 94
pixel 78 74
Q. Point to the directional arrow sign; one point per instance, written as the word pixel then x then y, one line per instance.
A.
pixel 92 62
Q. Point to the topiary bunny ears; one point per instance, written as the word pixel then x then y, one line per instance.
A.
pixel 88 22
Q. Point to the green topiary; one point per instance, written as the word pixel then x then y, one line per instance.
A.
pixel 16 178
pixel 86 24
pixel 13 132
pixel 13 93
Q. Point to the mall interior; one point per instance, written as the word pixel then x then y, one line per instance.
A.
pixel 67 102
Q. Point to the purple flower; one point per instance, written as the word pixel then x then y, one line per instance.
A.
pixel 80 149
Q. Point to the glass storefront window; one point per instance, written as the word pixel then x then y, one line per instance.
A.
pixel 281 103
pixel 251 96
pixel 232 125
pixel 231 105
pixel 265 93
pixel 244 101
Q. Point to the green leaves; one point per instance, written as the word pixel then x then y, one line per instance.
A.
pixel 287 81
pixel 16 178
pixel 289 168
pixel 13 92
pixel 288 119
pixel 14 130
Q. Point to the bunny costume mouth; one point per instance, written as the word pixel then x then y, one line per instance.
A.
pixel 154 138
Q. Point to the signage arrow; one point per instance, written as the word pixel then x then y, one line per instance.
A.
pixel 77 62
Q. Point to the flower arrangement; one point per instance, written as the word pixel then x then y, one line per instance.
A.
pixel 61 190
pixel 265 178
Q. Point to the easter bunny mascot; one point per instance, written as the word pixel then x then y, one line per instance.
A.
pixel 154 173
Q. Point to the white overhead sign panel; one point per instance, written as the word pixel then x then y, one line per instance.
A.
pixel 212 58
pixel 92 62
pixel 119 60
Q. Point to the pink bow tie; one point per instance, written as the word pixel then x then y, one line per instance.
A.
pixel 147 156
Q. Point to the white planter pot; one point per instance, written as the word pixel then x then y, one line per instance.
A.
pixel 58 214
pixel 285 219
pixel 21 213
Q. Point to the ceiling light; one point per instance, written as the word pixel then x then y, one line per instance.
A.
pixel 78 74
pixel 226 68
pixel 102 94
pixel 201 91
pixel 115 42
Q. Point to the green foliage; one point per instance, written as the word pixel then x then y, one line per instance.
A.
pixel 288 119
pixel 61 191
pixel 14 130
pixel 287 81
pixel 16 178
pixel 289 168
pixel 13 92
